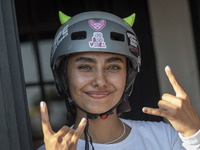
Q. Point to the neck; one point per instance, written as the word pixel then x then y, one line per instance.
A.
pixel 103 130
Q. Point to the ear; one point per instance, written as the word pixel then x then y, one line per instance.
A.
pixel 130 19
pixel 63 18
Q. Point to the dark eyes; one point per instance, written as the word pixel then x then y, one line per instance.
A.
pixel 113 67
pixel 84 67
pixel 89 68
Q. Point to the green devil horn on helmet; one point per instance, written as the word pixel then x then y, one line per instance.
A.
pixel 63 18
pixel 130 19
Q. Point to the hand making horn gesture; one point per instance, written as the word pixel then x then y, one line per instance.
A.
pixel 65 138
pixel 177 109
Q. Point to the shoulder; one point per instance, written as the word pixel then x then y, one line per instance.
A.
pixel 156 134
pixel 148 124
pixel 156 130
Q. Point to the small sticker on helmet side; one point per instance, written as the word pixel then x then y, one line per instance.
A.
pixel 97 41
pixel 59 37
pixel 97 26
pixel 133 43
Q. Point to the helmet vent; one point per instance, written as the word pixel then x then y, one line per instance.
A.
pixel 81 35
pixel 117 36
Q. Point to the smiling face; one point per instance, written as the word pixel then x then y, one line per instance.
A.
pixel 96 80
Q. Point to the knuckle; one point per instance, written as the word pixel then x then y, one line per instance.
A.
pixel 45 120
pixel 58 139
pixel 183 95
pixel 180 105
pixel 72 131
pixel 65 129
pixel 162 113
pixel 176 110
pixel 160 103
pixel 76 134
pixel 164 95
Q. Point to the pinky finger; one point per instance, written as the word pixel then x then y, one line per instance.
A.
pixel 154 111
pixel 79 130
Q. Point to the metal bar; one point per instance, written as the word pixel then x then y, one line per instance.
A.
pixel 14 125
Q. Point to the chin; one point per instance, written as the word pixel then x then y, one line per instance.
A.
pixel 98 109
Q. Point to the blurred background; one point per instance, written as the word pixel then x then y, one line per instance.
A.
pixel 168 32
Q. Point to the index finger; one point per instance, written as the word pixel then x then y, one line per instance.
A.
pixel 174 82
pixel 46 127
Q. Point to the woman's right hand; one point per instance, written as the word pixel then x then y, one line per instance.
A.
pixel 65 138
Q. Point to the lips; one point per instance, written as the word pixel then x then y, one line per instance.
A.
pixel 98 94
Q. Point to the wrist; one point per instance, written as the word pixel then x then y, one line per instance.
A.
pixel 190 133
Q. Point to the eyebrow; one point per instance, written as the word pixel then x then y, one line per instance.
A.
pixel 109 60
pixel 85 59
pixel 114 59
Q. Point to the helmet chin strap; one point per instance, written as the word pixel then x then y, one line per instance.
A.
pixel 101 115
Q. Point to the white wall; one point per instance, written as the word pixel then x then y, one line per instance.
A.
pixel 174 45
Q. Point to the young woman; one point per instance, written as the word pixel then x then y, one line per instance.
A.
pixel 95 58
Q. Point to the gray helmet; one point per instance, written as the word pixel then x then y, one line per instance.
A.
pixel 95 31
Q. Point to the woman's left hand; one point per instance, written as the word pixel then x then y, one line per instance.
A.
pixel 177 109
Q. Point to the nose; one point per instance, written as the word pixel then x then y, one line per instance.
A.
pixel 100 79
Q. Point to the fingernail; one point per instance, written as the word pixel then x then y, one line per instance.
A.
pixel 168 68
pixel 42 104
pixel 145 110
pixel 83 120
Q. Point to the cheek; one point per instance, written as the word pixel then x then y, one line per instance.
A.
pixel 119 81
pixel 76 82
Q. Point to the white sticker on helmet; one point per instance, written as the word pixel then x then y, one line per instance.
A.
pixel 97 41
pixel 133 44
pixel 97 26
pixel 59 37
